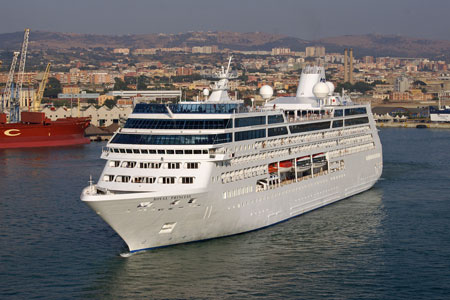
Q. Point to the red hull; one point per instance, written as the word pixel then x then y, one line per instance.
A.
pixel 62 132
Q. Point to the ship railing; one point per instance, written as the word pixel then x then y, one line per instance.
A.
pixel 309 117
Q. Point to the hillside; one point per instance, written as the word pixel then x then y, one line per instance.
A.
pixel 371 44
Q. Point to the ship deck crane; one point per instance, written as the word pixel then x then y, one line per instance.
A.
pixel 14 112
pixel 40 91
pixel 6 100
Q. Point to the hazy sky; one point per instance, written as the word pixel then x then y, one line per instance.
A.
pixel 308 19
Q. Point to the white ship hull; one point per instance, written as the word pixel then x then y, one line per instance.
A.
pixel 211 216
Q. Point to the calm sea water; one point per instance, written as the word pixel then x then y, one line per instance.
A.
pixel 391 242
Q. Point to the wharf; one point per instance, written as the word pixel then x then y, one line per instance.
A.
pixel 413 125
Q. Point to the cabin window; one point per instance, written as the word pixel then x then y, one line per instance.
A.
pixel 192 165
pixel 338 123
pixel 167 180
pixel 187 180
pixel 356 121
pixel 277 131
pixel 276 119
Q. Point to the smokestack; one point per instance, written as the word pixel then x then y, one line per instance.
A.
pixel 345 65
pixel 351 66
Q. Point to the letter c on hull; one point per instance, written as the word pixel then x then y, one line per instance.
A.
pixel 12 132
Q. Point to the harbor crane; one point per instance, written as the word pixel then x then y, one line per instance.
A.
pixel 40 91
pixel 6 100
pixel 14 111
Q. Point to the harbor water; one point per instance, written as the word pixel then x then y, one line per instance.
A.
pixel 391 242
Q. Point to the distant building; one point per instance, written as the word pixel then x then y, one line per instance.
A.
pixel 402 84
pixel 205 49
pixel 124 51
pixel 182 71
pixel 149 51
pixel 281 51
pixel 316 51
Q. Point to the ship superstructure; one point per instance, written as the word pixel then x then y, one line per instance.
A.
pixel 197 170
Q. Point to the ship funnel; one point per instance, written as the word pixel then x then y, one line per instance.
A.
pixel 310 76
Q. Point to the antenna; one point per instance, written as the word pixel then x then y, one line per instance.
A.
pixel 229 64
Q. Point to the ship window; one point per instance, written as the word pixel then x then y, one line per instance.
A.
pixel 277 131
pixel 144 151
pixel 355 111
pixel 178 124
pixel 187 180
pixel 338 123
pixel 128 164
pixel 143 179
pixel 187 151
pixel 170 151
pixel 151 139
pixel 173 165
pixel 167 180
pixel 152 151
pixel 251 121
pixel 248 135
pixel 192 165
pixel 356 121
pixel 114 163
pixel 197 151
pixel 129 151
pixel 161 152
pixel 338 113
pixel 309 127
pixel 108 178
pixel 123 178
pixel 122 150
pixel 205 151
pixel 136 151
pixel 276 119
pixel 179 151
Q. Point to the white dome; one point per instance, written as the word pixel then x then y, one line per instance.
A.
pixel 266 91
pixel 321 90
pixel 331 87
pixel 206 92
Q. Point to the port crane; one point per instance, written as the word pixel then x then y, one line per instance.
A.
pixel 14 110
pixel 40 91
pixel 6 100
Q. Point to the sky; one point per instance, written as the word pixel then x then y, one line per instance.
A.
pixel 307 19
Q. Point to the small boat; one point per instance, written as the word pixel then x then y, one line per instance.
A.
pixel 303 163
pixel 319 160
pixel 285 166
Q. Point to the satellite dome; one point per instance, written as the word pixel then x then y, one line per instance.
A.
pixel 331 87
pixel 321 90
pixel 266 91
pixel 206 92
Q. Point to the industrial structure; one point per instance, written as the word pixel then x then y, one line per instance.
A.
pixel 348 66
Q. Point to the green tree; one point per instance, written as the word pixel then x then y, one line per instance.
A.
pixel 53 88
pixel 110 103
pixel 120 85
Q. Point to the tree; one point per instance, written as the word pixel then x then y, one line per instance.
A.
pixel 53 88
pixel 110 103
pixel 120 85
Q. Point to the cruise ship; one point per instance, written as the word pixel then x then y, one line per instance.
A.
pixel 191 171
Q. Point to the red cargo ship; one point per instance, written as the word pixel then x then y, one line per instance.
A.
pixel 35 130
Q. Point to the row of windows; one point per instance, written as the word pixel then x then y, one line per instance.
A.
pixel 276 119
pixel 160 151
pixel 185 108
pixel 355 111
pixel 356 121
pixel 148 179
pixel 277 131
pixel 140 139
pixel 237 192
pixel 178 124
pixel 309 127
pixel 251 121
pixel 249 135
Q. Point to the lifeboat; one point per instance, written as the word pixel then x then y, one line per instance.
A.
pixel 285 166
pixel 303 163
pixel 319 160
pixel 273 168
